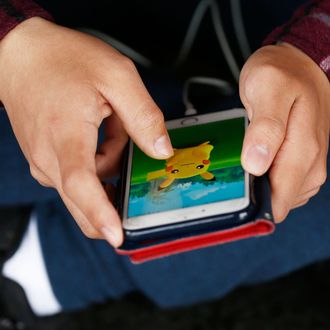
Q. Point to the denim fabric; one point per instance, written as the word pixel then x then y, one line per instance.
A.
pixel 75 262
pixel 17 187
pixel 84 271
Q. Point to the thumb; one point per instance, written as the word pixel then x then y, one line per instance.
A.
pixel 268 96
pixel 264 137
pixel 140 116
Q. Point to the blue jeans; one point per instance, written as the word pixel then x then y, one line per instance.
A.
pixel 84 271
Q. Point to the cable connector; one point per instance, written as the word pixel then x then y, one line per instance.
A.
pixel 190 111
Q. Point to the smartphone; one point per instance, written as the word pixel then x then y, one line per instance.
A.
pixel 201 183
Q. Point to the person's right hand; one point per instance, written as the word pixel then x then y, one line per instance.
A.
pixel 287 98
pixel 57 86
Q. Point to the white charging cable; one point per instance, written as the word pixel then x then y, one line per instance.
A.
pixel 222 39
pixel 237 18
pixel 192 30
pixel 123 48
pixel 187 44
pixel 223 85
pixel 195 23
pixel 190 36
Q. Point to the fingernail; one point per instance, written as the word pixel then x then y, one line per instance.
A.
pixel 163 146
pixel 110 236
pixel 256 159
pixel 280 214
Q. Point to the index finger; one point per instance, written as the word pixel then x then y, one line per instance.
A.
pixel 79 182
pixel 139 114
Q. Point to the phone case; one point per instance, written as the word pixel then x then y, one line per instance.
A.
pixel 259 222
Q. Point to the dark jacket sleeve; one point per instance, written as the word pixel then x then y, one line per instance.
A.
pixel 308 30
pixel 13 12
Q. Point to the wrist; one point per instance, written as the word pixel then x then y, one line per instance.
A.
pixel 14 44
pixel 306 64
pixel 293 63
pixel 22 29
pixel 309 31
pixel 12 13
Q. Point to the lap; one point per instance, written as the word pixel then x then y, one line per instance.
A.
pixel 185 278
pixel 84 271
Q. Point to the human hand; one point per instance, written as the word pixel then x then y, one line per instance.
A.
pixel 58 85
pixel 287 98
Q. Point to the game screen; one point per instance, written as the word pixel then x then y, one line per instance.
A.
pixel 205 168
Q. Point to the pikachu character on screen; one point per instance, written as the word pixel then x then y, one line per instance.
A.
pixel 185 163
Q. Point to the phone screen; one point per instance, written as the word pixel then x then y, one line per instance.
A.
pixel 204 171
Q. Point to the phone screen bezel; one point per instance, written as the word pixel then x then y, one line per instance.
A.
pixel 194 212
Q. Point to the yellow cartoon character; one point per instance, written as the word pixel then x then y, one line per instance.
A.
pixel 185 163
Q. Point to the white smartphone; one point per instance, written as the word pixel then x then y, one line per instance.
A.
pixel 202 179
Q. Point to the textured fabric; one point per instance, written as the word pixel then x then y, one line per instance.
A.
pixel 308 30
pixel 17 187
pixel 13 12
pixel 76 262
pixel 84 271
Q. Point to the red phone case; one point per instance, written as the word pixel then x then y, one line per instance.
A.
pixel 260 224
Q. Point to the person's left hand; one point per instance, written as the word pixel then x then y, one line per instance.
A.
pixel 58 85
pixel 287 98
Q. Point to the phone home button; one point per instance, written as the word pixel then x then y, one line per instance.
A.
pixel 189 121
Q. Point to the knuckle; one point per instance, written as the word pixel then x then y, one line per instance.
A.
pixel 314 148
pixel 36 158
pixel 305 201
pixel 54 120
pixel 127 64
pixel 318 175
pixel 272 127
pixel 302 203
pixel 314 192
pixel 86 226
pixel 257 80
pixel 152 120
pixel 284 84
pixel 270 70
pixel 34 172
pixel 73 177
pixel 45 184
pixel 321 177
pixel 90 232
pixel 92 215
pixel 37 175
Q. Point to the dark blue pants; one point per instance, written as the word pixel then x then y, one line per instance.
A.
pixel 84 271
